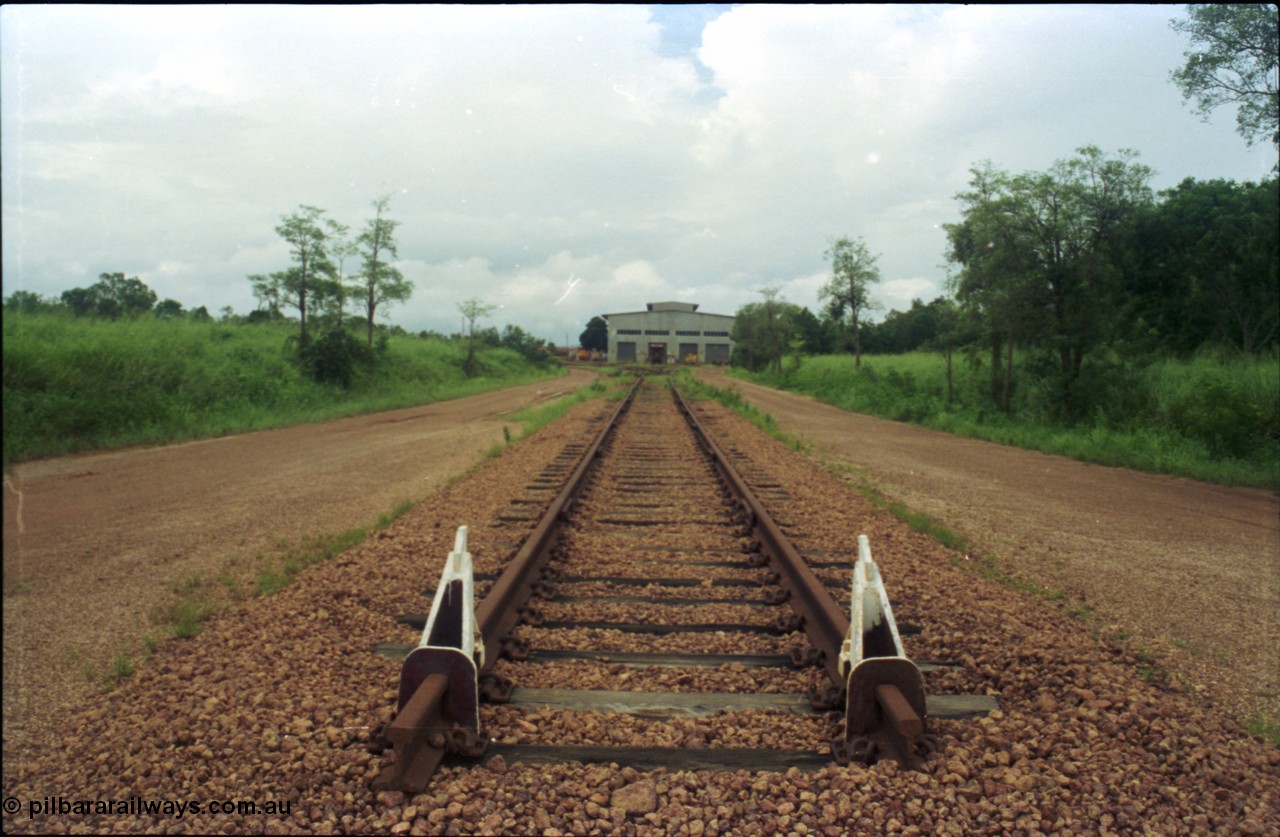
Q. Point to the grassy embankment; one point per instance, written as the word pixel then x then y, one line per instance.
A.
pixel 1211 419
pixel 73 385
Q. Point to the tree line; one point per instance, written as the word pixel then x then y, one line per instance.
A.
pixel 318 286
pixel 1082 266
pixel 1072 267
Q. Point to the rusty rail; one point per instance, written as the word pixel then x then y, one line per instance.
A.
pixel 440 687
pixel 431 719
pixel 880 690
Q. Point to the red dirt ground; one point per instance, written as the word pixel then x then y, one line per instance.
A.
pixel 1192 570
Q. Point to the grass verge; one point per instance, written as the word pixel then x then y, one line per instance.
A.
pixel 74 385
pixel 1268 729
pixel 197 599
pixel 1211 418
pixel 732 398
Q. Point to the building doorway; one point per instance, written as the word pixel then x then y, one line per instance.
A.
pixel 657 352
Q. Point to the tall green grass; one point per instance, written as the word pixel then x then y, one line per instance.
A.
pixel 695 389
pixel 73 384
pixel 1213 418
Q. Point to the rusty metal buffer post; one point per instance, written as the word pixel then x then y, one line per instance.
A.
pixel 438 709
pixel 885 711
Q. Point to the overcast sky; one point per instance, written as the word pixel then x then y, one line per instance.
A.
pixel 564 161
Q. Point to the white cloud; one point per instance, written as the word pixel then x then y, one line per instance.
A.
pixel 525 145
pixel 896 294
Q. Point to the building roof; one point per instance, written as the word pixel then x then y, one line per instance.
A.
pixel 668 307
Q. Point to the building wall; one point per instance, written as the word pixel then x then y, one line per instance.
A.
pixel 668 332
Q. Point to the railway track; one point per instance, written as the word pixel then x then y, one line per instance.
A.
pixel 648 564
pixel 277 701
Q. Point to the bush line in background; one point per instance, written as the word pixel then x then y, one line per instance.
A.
pixel 1215 417
pixel 73 385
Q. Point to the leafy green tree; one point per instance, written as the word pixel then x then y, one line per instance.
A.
pixel 763 331
pixel 80 301
pixel 905 331
pixel 949 335
pixel 998 285
pixel 306 233
pixel 27 302
pixel 1233 60
pixel 338 291
pixel 533 349
pixel 168 309
pixel 112 296
pixel 814 334
pixel 853 270
pixel 473 309
pixel 118 296
pixel 595 337
pixel 269 290
pixel 1039 261
pixel 382 283
pixel 1202 267
pixel 336 357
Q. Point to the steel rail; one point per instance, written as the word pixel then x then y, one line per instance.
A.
pixel 428 723
pixel 499 612
pixel 438 714
pixel 823 620
pixel 883 696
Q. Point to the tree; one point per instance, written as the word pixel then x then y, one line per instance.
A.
pixel 853 269
pixel 335 357
pixel 111 296
pixel 905 331
pixel 1202 266
pixel 473 309
pixel 998 284
pixel 763 331
pixel 1039 256
pixel 269 291
pixel 948 335
pixel 81 301
pixel 595 337
pixel 533 349
pixel 814 334
pixel 337 292
pixel 118 296
pixel 27 302
pixel 382 282
pixel 168 309
pixel 1233 60
pixel 308 238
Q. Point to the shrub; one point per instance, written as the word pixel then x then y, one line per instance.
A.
pixel 336 357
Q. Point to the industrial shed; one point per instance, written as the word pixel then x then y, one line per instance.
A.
pixel 669 332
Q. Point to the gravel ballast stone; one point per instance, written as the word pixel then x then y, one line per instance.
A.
pixel 277 700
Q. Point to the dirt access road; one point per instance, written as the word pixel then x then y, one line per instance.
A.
pixel 104 540
pixel 1190 570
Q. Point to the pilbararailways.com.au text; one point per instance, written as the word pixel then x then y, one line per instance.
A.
pixel 136 806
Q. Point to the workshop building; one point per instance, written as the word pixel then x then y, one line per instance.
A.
pixel 669 332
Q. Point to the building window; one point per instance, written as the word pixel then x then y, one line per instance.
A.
pixel 715 333
pixel 628 331
pixel 657 332
pixel 688 333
